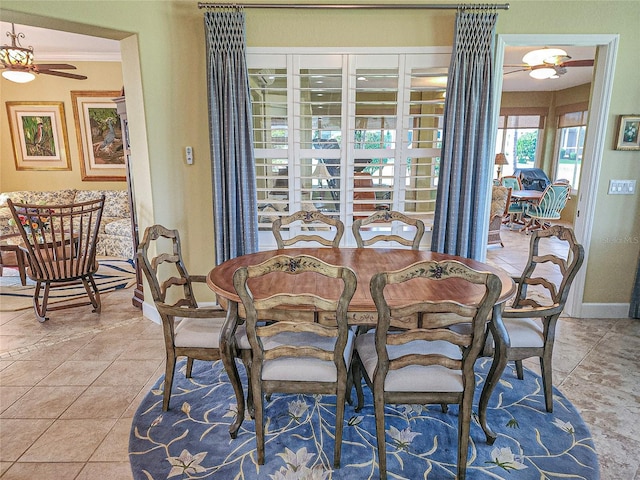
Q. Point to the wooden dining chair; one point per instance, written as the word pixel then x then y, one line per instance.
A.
pixel 312 220
pixel 555 257
pixel 190 330
pixel 297 356
pixel 430 364
pixel 60 243
pixel 395 219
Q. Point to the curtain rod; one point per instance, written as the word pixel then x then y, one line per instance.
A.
pixel 377 6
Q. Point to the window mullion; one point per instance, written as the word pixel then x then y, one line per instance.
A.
pixel 293 96
pixel 349 144
pixel 401 154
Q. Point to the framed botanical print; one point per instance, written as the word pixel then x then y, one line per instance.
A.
pixel 39 135
pixel 628 137
pixel 102 156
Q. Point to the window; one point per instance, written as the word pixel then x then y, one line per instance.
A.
pixel 346 134
pixel 572 127
pixel 519 133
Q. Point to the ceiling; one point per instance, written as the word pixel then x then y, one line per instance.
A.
pixel 53 45
pixel 522 82
pixel 56 46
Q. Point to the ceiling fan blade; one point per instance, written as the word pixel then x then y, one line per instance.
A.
pixel 63 74
pixel 57 66
pixel 516 71
pixel 577 63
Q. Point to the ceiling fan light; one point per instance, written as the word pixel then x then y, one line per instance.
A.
pixel 542 73
pixel 544 55
pixel 18 76
pixel 16 56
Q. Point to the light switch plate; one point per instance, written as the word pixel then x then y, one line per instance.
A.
pixel 622 187
pixel 188 151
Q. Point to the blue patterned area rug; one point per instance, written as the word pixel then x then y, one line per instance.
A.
pixel 191 440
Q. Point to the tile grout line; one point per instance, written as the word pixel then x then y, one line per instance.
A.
pixel 48 343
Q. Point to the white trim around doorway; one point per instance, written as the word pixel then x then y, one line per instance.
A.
pixel 602 86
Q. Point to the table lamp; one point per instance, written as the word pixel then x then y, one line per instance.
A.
pixel 500 161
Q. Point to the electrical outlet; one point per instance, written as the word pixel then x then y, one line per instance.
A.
pixel 188 151
pixel 622 187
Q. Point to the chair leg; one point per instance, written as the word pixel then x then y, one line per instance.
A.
pixel 547 381
pixel 41 308
pixel 92 292
pixel 378 406
pixel 356 373
pixel 189 367
pixel 464 426
pixel 337 448
pixel 246 357
pixel 168 380
pixel 259 414
pixel 519 370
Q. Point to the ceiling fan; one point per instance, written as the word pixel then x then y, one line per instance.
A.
pixel 548 63
pixel 17 62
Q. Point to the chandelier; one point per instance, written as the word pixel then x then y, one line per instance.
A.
pixel 16 59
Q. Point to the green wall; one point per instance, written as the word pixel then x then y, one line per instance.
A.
pixel 168 110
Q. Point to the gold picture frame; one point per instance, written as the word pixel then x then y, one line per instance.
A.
pixel 99 132
pixel 628 136
pixel 39 135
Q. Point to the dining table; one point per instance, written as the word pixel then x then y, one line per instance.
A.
pixel 365 262
pixel 531 196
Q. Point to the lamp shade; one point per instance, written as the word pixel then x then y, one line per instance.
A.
pixel 501 159
pixel 18 76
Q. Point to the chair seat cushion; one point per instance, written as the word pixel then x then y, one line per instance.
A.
pixel 304 368
pixel 198 332
pixel 524 332
pixel 205 333
pixel 515 208
pixel 414 378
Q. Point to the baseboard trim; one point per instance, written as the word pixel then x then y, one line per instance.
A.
pixel 151 312
pixel 605 310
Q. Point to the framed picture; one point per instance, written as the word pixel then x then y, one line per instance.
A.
pixel 39 135
pixel 102 157
pixel 628 137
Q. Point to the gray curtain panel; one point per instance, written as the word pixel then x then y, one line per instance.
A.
pixel 461 216
pixel 235 213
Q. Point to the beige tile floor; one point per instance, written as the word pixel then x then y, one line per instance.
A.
pixel 69 387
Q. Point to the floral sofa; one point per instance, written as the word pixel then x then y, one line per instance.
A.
pixel 114 238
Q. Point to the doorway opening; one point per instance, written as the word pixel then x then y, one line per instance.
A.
pixel 602 85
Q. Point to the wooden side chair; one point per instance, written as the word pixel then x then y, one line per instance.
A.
pixel 308 218
pixel 430 364
pixel 292 355
pixel 60 243
pixel 393 217
pixel 189 330
pixel 542 292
